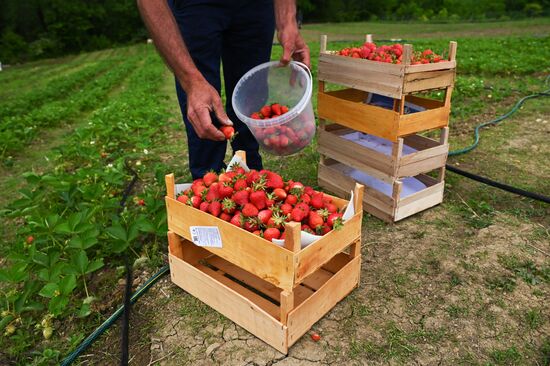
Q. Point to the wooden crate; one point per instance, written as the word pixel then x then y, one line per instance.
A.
pixel 348 108
pixel 335 177
pixel 277 293
pixel 392 80
pixel 430 154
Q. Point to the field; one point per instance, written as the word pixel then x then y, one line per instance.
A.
pixel 466 282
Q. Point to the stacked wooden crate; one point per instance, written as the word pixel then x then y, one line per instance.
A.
pixel 343 112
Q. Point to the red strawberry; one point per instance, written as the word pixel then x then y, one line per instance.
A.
pixel 305 198
pixel 252 176
pixel 257 232
pixel 250 224
pixel 239 170
pixel 237 219
pixel 286 209
pixel 264 216
pixel 30 239
pixel 255 115
pixel 215 208
pixel 284 109
pixel 276 109
pixel 304 207
pixel 270 200
pixel 249 210
pixel 240 198
pixel 204 206
pixel 307 229
pixel 195 201
pixel 240 184
pixel 228 205
pixel 213 192
pixel 274 180
pixel 334 220
pixel 182 198
pixel 315 220
pixel 210 178
pixel 317 200
pixel 297 215
pixel 225 190
pixel 291 199
pixel 266 111
pixel 324 229
pixel 198 189
pixel 271 233
pixel 258 198
pixel 225 216
pixel 327 198
pixel 331 207
pixel 280 194
pixel 226 177
pixel 228 132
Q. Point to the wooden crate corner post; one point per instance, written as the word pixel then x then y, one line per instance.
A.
pixel 170 185
pixel 323 43
pixel 293 236
pixel 358 192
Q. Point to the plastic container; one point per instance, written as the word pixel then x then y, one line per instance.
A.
pixel 270 83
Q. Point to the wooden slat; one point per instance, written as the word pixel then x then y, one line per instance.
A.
pixel 244 249
pixel 427 180
pixel 358 116
pixel 428 80
pixel 417 166
pixel 445 65
pixel 420 142
pixel 317 279
pixel 425 102
pixel 419 201
pixel 304 316
pixel 170 185
pixel 230 303
pixel 423 121
pixel 336 263
pixel 174 244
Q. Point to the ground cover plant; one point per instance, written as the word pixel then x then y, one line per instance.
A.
pixel 463 283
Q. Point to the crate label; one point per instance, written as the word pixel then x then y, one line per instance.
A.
pixel 206 236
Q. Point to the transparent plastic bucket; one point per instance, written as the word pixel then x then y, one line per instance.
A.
pixel 270 83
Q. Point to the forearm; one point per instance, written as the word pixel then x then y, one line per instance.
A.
pixel 285 14
pixel 165 33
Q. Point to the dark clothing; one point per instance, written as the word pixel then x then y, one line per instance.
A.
pixel 239 33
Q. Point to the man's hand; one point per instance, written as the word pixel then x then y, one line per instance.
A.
pixel 287 32
pixel 293 45
pixel 202 99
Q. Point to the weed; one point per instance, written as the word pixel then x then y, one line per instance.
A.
pixel 509 356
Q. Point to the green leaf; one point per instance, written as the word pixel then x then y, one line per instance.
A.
pixel 63 228
pixel 118 232
pixel 67 284
pixel 5 321
pixel 33 306
pixel 31 178
pixel 16 273
pixel 119 246
pixel 58 304
pixel 41 258
pixel 49 290
pixel 84 311
pixel 95 265
pixel 80 261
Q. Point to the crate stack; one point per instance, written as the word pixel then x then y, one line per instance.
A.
pixel 383 147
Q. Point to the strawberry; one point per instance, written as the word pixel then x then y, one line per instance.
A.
pixel 280 194
pixel 252 176
pixel 226 177
pixel 264 216
pixel 270 199
pixel 250 224
pixel 266 111
pixel 30 239
pixel 327 198
pixel 213 193
pixel 255 115
pixel 198 189
pixel 271 233
pixel 239 170
pixel 315 337
pixel 225 216
pixel 249 210
pixel 291 199
pixel 317 200
pixel 195 201
pixel 315 220
pixel 228 205
pixel 304 207
pixel 307 229
pixel 274 180
pixel 305 198
pixel 210 178
pixel 182 198
pixel 215 208
pixel 324 229
pixel 286 209
pixel 334 220
pixel 323 213
pixel 296 185
pixel 240 198
pixel 240 184
pixel 204 206
pixel 225 190
pixel 257 232
pixel 284 109
pixel 276 109
pixel 297 215
pixel 258 198
pixel 277 220
pixel 237 220
pixel 228 132
pixel 331 207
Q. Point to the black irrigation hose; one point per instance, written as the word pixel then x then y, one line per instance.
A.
pixel 505 187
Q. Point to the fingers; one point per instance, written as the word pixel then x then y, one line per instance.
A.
pixel 202 123
pixel 287 54
pixel 303 56
pixel 219 111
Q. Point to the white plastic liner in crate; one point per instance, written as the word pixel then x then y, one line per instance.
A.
pixel 306 238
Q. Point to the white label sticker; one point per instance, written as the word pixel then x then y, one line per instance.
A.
pixel 206 236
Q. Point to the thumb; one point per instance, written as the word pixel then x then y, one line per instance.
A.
pixel 287 54
pixel 219 111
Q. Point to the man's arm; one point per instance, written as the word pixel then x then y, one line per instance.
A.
pixel 288 34
pixel 201 96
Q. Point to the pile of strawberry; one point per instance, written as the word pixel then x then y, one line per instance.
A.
pixel 391 54
pixel 270 111
pixel 262 202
